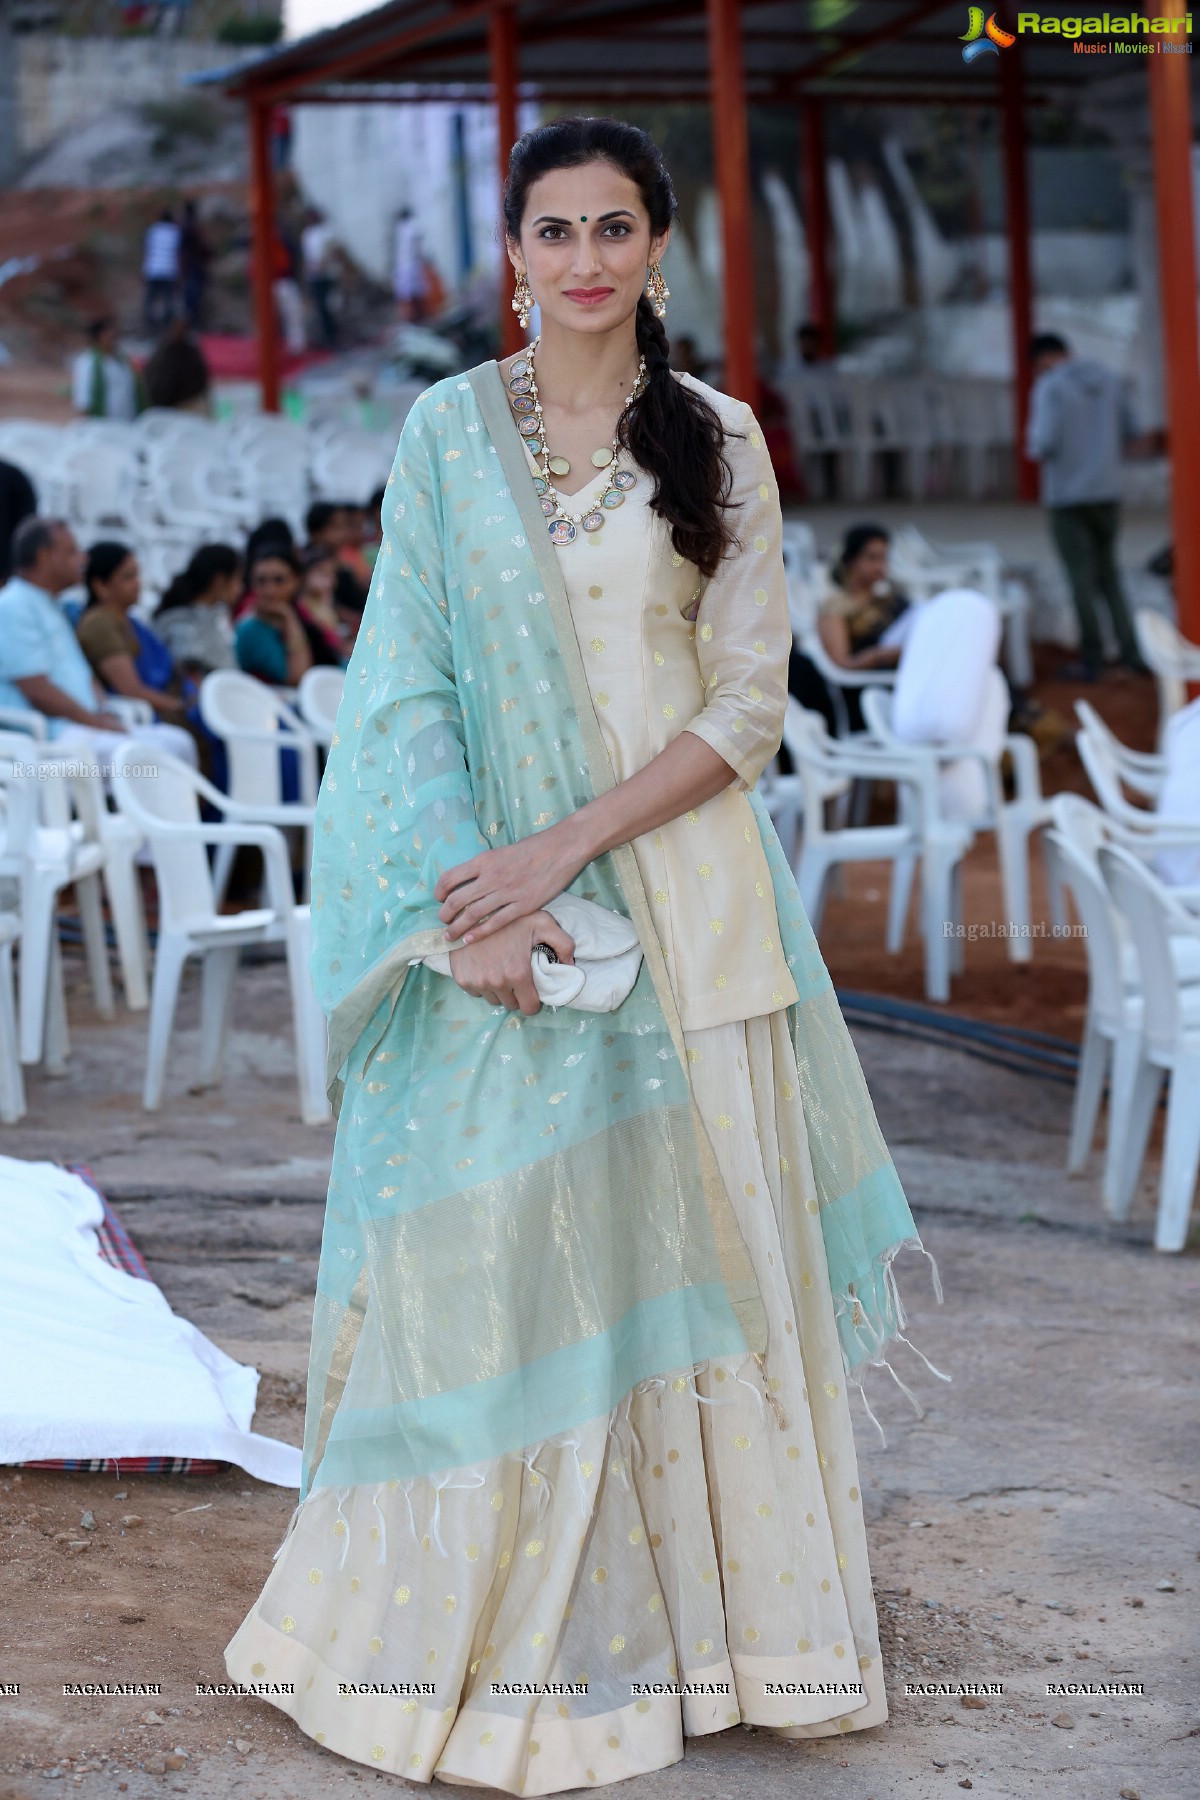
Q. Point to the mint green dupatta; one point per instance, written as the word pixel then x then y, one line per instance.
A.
pixel 525 1217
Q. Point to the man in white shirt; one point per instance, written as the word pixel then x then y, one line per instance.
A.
pixel 408 266
pixel 317 253
pixel 104 384
pixel 160 270
pixel 42 666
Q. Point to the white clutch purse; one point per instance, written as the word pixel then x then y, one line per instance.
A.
pixel 608 956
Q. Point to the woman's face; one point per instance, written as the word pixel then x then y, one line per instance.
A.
pixel 870 565
pixel 319 581
pixel 275 585
pixel 585 245
pixel 226 590
pixel 122 587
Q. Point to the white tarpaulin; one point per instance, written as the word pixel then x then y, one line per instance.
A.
pixel 93 1362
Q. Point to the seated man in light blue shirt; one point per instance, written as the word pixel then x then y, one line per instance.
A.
pixel 42 667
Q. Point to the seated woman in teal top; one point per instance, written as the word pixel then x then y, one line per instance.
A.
pixel 270 642
pixel 279 640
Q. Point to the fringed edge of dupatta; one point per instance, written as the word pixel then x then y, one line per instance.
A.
pixel 875 1335
pixel 472 1475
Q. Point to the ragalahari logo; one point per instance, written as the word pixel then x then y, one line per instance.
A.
pixel 982 39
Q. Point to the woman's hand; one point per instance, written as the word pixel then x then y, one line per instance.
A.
pixel 501 886
pixel 499 970
pixel 275 609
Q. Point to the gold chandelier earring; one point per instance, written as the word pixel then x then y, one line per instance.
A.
pixel 522 300
pixel 657 289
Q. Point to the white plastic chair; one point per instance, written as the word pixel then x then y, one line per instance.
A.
pixel 1013 820
pixel 1112 769
pixel 1173 660
pixel 30 724
pixel 12 1084
pixel 818 409
pixel 977 430
pixel 160 426
pixel 161 796
pixel 1073 843
pixel 317 700
pixel 783 797
pixel 200 494
pixel 1109 1007
pixel 351 465
pixel 43 852
pixel 312 1032
pixel 78 805
pixel 255 723
pixel 120 842
pixel 826 766
pixel 1081 822
pixel 99 473
pixel 1169 1042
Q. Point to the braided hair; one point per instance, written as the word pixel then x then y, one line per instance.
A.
pixel 670 430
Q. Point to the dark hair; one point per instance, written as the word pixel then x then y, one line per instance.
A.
pixel 273 552
pixel 209 564
pixel 276 532
pixel 313 555
pixel 853 544
pixel 319 515
pixel 32 536
pixel 97 327
pixel 103 560
pixel 1047 343
pixel 671 430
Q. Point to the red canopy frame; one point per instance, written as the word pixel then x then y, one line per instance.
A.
pixel 732 54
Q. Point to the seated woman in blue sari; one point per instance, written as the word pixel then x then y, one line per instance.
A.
pixel 126 655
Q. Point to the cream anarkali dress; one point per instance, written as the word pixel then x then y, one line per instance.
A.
pixel 697 1558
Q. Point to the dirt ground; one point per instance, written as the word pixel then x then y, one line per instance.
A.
pixel 1036 1525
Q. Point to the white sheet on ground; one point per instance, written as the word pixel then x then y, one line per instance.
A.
pixel 93 1362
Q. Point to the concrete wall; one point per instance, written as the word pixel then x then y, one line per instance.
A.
pixel 362 164
pixel 63 83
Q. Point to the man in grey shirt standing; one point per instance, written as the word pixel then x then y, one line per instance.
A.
pixel 1080 422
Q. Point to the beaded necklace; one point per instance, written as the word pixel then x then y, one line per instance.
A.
pixel 562 524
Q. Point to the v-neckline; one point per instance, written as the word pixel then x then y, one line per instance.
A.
pixel 531 460
pixel 531 463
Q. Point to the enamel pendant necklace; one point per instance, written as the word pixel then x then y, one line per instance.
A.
pixel 562 524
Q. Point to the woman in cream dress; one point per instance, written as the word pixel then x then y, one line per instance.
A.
pixel 690 1555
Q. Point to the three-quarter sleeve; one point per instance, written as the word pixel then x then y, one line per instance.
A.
pixel 743 629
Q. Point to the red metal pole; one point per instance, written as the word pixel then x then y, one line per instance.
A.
pixel 1171 127
pixel 1020 262
pixel 731 159
pixel 822 296
pixel 262 226
pixel 502 52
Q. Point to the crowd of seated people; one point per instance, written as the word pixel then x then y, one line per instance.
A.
pixel 274 610
pixel 46 670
